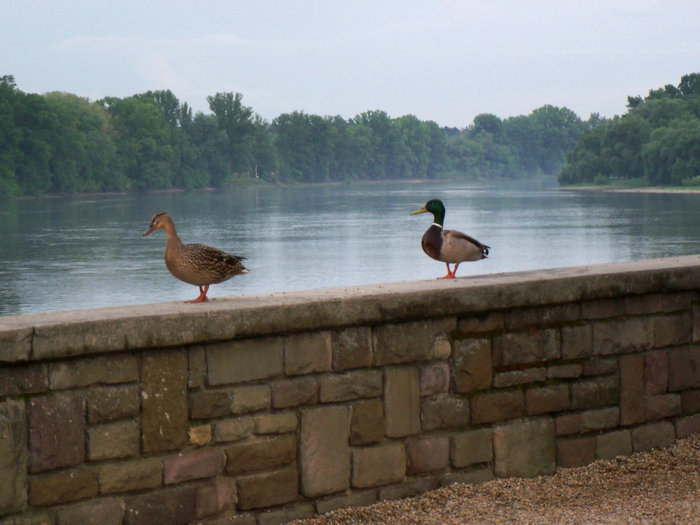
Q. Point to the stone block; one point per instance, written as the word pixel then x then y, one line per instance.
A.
pixel 56 431
pixel 401 401
pixel 561 313
pixel 403 343
pixel 497 406
pixel 267 489
pixel 473 366
pixel 442 348
pixel 690 401
pixel 625 336
pixel 108 369
pixel 471 447
pixel 519 377
pixel 367 422
pixel 594 393
pixel 598 366
pixel 523 317
pixel 352 348
pixel 195 465
pixel 233 429
pixel 470 477
pixel 106 403
pixel 687 426
pixel 324 451
pixel 427 454
pixel 600 419
pixel 62 487
pixel 251 398
pixel 13 456
pixel 631 389
pixel 434 378
pixel 571 371
pixel 520 348
pixel 307 353
pixel 525 448
pixel 378 465
pixel 481 322
pixel 672 329
pixel 576 452
pixel 196 367
pixel 662 406
pixel 576 341
pixel 361 498
pixel 602 308
pixel 209 404
pixel 655 373
pixel 171 506
pixel 657 302
pixel 287 514
pixel 277 423
pixel 24 379
pixel 547 399
pixel 261 453
pixel 131 475
pixel 567 424
pixel 244 360
pixel 613 444
pixel 294 392
pixel 164 418
pixel 653 435
pixel 102 511
pixel 444 412
pixel 216 497
pixel 200 435
pixel 407 489
pixel 696 324
pixel 350 385
pixel 16 344
pixel 684 368
pixel 120 439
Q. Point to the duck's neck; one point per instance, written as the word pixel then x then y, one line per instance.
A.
pixel 438 217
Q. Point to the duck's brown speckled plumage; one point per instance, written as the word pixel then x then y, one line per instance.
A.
pixel 195 264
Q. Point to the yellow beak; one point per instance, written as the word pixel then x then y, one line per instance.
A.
pixel 419 210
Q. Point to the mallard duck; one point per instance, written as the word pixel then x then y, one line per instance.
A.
pixel 195 263
pixel 448 246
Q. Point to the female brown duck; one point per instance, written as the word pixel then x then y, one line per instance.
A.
pixel 195 263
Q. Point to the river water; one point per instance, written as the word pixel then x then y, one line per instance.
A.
pixel 85 252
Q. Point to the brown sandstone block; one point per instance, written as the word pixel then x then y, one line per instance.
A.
pixel 251 398
pixel 575 452
pixel 572 371
pixel 631 389
pixel 196 367
pixel 262 453
pixel 481 322
pixel 613 444
pixel 600 419
pixel 196 465
pixel 360 498
pixel 519 377
pixel 594 393
pixel 690 401
pixel 294 392
pixel 662 406
pixel 471 447
pixel 164 507
pixel 267 489
pixel 106 403
pixel 307 353
pixel 687 426
pixel 597 366
pixel 403 343
pixel 518 348
pixel 233 429
pixel 208 404
pixel 525 448
pixel 13 456
pixel 401 401
pixel 567 424
pixel 350 385
pixel 277 423
pixel 546 399
pixel 473 367
pixel 108 369
pixel 244 360
pixel 367 422
pixel 200 435
pixel 378 465
pixel 24 379
pixel 684 368
pixel 653 435
pixel 576 341
pixel 434 378
pixel 427 454
pixel 324 452
pixel 62 487
pixel 164 418
pixel 624 336
pixel 407 488
pixel 655 373
pixel 352 348
pixel 120 439
pixel 444 411
pixel 657 302
pixel 102 511
pixel 497 406
pixel 672 329
pixel 286 514
pixel 56 430
pixel 216 497
pixel 602 308
pixel 470 477
pixel 131 475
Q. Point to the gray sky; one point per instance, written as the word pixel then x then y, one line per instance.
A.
pixel 441 60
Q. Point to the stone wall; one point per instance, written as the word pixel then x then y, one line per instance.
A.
pixel 264 409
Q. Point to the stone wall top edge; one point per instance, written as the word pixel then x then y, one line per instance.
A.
pixel 81 332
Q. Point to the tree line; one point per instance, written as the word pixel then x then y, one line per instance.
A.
pixel 60 143
pixel 657 141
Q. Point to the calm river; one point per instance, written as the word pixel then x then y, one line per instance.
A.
pixel 85 252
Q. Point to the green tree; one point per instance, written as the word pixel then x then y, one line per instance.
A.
pixel 236 121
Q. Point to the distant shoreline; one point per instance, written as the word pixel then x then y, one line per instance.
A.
pixel 644 189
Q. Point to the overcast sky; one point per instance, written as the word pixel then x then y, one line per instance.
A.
pixel 440 60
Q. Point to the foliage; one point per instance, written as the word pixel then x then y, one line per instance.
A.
pixel 658 140
pixel 59 143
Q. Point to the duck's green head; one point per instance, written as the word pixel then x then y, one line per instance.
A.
pixel 434 206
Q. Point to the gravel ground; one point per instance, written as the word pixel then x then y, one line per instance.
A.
pixel 654 487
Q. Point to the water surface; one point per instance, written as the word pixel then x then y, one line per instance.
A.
pixel 84 252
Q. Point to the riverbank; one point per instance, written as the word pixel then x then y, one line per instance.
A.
pixel 643 189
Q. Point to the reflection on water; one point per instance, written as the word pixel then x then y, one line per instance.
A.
pixel 70 253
